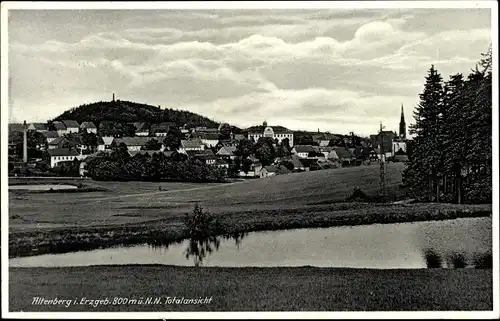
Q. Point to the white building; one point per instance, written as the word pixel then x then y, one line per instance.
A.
pixel 191 145
pixel 60 128
pixel 397 146
pixel 105 143
pixel 302 150
pixel 58 155
pixel 133 143
pixel 209 139
pixel 71 126
pixel 89 127
pixel 270 132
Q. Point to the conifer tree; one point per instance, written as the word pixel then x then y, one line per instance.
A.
pixel 425 163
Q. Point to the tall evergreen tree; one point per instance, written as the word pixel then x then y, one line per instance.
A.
pixel 425 165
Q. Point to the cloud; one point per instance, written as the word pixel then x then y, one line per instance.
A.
pixel 341 70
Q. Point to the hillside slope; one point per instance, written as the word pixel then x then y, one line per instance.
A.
pixel 126 111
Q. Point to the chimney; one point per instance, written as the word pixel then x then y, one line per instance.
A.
pixel 25 143
pixel 113 96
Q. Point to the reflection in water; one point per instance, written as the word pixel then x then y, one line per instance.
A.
pixel 457 260
pixel 432 259
pixel 460 243
pixel 483 261
pixel 200 248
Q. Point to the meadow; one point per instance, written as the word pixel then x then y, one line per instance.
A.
pixel 132 212
pixel 254 289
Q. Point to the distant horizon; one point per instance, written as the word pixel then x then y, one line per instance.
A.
pixel 339 70
pixel 241 127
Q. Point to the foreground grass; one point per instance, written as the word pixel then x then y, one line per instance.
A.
pixel 254 289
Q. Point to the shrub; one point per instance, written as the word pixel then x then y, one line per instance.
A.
pixel 200 224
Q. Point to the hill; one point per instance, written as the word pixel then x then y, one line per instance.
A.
pixel 125 111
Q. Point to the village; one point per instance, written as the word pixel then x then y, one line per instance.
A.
pixel 66 141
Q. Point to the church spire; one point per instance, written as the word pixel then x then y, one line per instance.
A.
pixel 402 124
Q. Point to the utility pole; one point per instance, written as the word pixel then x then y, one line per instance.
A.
pixel 382 162
pixel 25 143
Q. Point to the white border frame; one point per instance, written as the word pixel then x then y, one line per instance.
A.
pixel 5 6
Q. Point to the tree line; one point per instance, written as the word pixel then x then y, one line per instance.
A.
pixel 451 155
pixel 120 166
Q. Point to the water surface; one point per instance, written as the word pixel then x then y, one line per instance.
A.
pixel 465 242
pixel 40 187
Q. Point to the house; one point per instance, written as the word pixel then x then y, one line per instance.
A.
pixel 274 133
pixel 141 129
pixel 76 141
pixel 161 129
pixel 268 171
pixel 201 129
pixel 385 138
pixel 104 143
pixel 325 150
pixel 323 139
pixel 398 145
pixel 38 127
pixel 238 137
pixel 58 155
pixel 71 126
pixel 133 143
pixel 50 135
pixel 58 142
pixel 209 139
pixel 345 156
pixel 294 160
pixel 191 145
pixel 227 152
pixel 205 155
pixel 302 150
pixel 59 127
pixel 89 127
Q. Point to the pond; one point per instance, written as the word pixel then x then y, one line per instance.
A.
pixel 455 243
pixel 40 187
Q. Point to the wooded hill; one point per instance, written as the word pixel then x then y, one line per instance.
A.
pixel 125 111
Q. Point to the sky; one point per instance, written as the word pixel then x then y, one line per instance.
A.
pixel 337 70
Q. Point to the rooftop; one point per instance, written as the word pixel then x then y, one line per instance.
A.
pixel 87 124
pixel 71 124
pixel 62 152
pixel 192 143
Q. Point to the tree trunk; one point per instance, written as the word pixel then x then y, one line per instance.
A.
pixel 437 189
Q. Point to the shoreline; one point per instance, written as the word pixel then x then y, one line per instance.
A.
pixel 166 231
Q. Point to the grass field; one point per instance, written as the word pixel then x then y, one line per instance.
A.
pixel 254 289
pixel 130 212
pixel 145 198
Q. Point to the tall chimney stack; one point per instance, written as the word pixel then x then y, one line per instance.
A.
pixel 25 143
pixel 113 96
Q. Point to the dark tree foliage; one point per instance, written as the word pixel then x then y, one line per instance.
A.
pixel 157 167
pixel 265 151
pixel 450 158
pixel 173 139
pixel 121 111
pixel 152 144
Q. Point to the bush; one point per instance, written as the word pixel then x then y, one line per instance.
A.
pixel 200 224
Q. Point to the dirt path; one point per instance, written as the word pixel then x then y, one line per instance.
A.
pixel 160 192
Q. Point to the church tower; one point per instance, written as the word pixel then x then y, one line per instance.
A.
pixel 402 124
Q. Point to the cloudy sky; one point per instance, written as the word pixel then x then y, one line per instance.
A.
pixel 338 70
